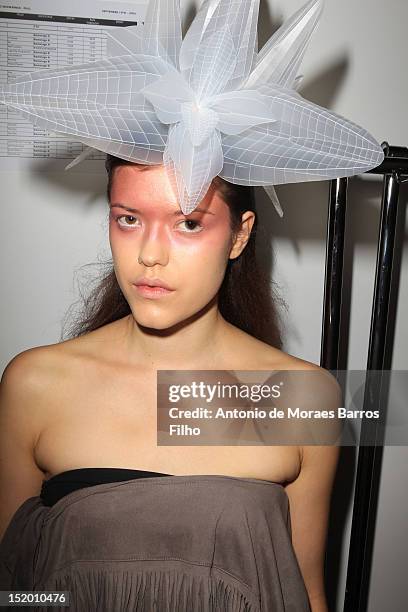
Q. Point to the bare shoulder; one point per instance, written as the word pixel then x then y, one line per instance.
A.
pixel 27 384
pixel 263 356
pixel 275 357
pixel 319 392
pixel 29 379
pixel 29 370
pixel 57 358
pixel 23 390
pixel 34 369
pixel 39 373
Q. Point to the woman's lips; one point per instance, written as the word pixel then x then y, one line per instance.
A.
pixel 152 292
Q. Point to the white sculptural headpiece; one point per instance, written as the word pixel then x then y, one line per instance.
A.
pixel 206 105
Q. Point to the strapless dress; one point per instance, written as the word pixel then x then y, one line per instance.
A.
pixel 129 540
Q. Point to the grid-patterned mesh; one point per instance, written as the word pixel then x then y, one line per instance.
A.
pixel 204 105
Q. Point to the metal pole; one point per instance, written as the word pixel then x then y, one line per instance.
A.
pixel 370 457
pixel 329 350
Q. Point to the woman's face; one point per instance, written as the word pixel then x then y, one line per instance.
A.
pixel 151 238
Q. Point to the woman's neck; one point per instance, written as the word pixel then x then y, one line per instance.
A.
pixel 196 344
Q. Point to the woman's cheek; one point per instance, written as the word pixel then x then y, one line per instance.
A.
pixel 203 253
pixel 203 277
pixel 125 264
pixel 123 247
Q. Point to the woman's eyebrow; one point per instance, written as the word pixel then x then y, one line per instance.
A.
pixel 177 213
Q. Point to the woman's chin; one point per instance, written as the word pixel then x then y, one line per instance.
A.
pixel 155 320
pixel 155 315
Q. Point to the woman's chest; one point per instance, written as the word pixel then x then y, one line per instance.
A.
pixel 115 425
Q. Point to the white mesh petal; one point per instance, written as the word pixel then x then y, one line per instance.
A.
pixel 160 36
pixel 194 35
pixel 191 169
pixel 214 62
pixel 162 29
pixel 279 59
pixel 103 103
pixel 200 122
pixel 307 143
pixel 240 17
pixel 167 94
pixel 239 110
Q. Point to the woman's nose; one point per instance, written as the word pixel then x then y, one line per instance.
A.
pixel 154 248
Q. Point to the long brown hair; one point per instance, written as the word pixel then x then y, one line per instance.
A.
pixel 246 299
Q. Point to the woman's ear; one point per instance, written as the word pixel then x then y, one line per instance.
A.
pixel 243 234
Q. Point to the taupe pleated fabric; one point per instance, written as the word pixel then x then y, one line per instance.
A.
pixel 166 544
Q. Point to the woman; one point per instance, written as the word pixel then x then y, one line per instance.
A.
pixel 248 532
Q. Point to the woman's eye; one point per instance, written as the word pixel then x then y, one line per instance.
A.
pixel 127 221
pixel 127 217
pixel 193 226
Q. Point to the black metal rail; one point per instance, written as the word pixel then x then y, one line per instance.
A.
pixel 394 170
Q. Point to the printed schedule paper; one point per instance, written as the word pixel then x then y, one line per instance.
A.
pixel 39 34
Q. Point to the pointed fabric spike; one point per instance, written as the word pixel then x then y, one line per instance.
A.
pixel 306 143
pixel 271 191
pixel 192 167
pixel 279 59
pixel 162 29
pixel 214 62
pixel 103 104
pixel 79 158
pixel 160 35
pixel 240 20
pixel 194 35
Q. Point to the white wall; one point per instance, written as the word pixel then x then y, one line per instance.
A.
pixel 53 223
